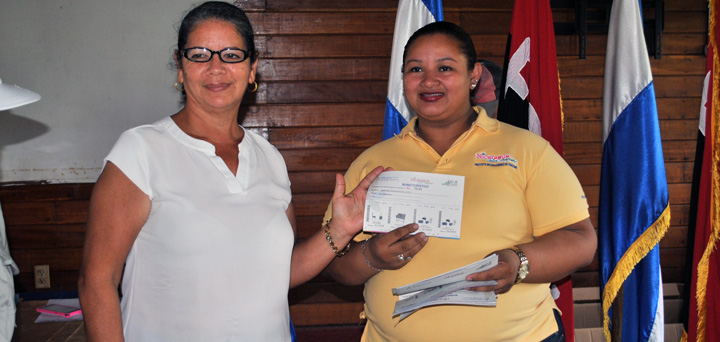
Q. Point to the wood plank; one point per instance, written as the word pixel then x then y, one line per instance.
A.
pixel 375 91
pixel 319 91
pixel 680 172
pixel 46 236
pixel 323 23
pixel 326 314
pixel 669 257
pixel 323 69
pixel 308 225
pixel 592 278
pixel 673 44
pixel 312 181
pixel 59 259
pixel 305 5
pixel 685 21
pixel 486 45
pixel 59 281
pixel 448 6
pixel 347 46
pixel 314 292
pixel 331 114
pixel 32 191
pixel 490 46
pixel 571 66
pixel 317 137
pixel 591 131
pixel 311 204
pixel 485 22
pixel 591 152
pixel 60 212
pixel 665 86
pixel 679 214
pixel 686 5
pixel 678 108
pixel 321 159
pixel 676 237
pixel 678 193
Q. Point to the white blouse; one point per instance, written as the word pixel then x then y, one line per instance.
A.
pixel 212 262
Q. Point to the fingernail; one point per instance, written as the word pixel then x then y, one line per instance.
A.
pixel 424 237
pixel 415 226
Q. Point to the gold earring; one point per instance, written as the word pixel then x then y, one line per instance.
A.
pixel 254 89
pixel 178 86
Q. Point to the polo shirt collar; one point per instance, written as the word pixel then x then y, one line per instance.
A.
pixel 483 121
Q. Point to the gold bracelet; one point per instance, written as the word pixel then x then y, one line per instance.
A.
pixel 367 261
pixel 335 250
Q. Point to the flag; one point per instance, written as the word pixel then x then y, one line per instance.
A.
pixel 634 211
pixel 531 98
pixel 702 319
pixel 531 85
pixel 411 15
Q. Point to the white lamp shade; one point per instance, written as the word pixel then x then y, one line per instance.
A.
pixel 12 96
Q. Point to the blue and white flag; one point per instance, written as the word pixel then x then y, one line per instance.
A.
pixel 411 15
pixel 634 211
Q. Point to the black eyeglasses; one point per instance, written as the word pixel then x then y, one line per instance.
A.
pixel 202 55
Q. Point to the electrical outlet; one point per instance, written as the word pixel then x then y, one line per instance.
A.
pixel 42 276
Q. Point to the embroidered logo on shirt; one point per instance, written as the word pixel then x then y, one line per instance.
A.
pixel 484 159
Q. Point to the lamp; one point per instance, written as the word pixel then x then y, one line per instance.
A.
pixel 12 96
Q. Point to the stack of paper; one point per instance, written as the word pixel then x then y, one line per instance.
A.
pixel 447 288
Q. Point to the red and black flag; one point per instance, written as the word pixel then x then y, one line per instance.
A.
pixel 703 318
pixel 530 97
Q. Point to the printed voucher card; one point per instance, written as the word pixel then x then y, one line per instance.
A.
pixel 433 201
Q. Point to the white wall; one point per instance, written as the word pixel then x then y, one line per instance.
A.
pixel 101 67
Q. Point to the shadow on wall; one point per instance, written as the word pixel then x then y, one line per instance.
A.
pixel 15 129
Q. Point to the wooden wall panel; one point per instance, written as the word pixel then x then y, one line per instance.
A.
pixel 322 85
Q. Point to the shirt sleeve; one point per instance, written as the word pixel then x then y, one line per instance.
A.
pixel 130 156
pixel 554 195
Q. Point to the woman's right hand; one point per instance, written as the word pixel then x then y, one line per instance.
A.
pixel 395 249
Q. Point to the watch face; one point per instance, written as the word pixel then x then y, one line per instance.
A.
pixel 523 272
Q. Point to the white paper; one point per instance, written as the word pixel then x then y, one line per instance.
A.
pixel 46 317
pixel 459 297
pixel 446 288
pixel 433 201
pixel 453 276
pixel 420 299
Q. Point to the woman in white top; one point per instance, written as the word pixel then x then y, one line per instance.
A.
pixel 194 212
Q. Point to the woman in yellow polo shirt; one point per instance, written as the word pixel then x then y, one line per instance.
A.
pixel 529 209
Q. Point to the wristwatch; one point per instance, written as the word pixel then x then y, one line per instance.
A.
pixel 524 268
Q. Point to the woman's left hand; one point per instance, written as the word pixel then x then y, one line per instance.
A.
pixel 504 273
pixel 348 210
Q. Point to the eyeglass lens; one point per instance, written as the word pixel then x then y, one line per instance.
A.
pixel 229 55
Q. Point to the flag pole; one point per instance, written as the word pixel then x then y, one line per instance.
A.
pixel 617 315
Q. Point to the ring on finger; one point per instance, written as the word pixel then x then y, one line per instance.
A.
pixel 401 257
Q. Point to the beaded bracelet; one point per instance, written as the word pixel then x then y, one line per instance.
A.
pixel 367 261
pixel 335 250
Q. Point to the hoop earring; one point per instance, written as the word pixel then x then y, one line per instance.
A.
pixel 254 89
pixel 179 86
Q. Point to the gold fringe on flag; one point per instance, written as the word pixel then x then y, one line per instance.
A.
pixel 637 251
pixel 703 264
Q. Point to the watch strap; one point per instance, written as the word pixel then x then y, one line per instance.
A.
pixel 524 267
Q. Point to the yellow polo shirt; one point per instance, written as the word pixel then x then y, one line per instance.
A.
pixel 516 188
